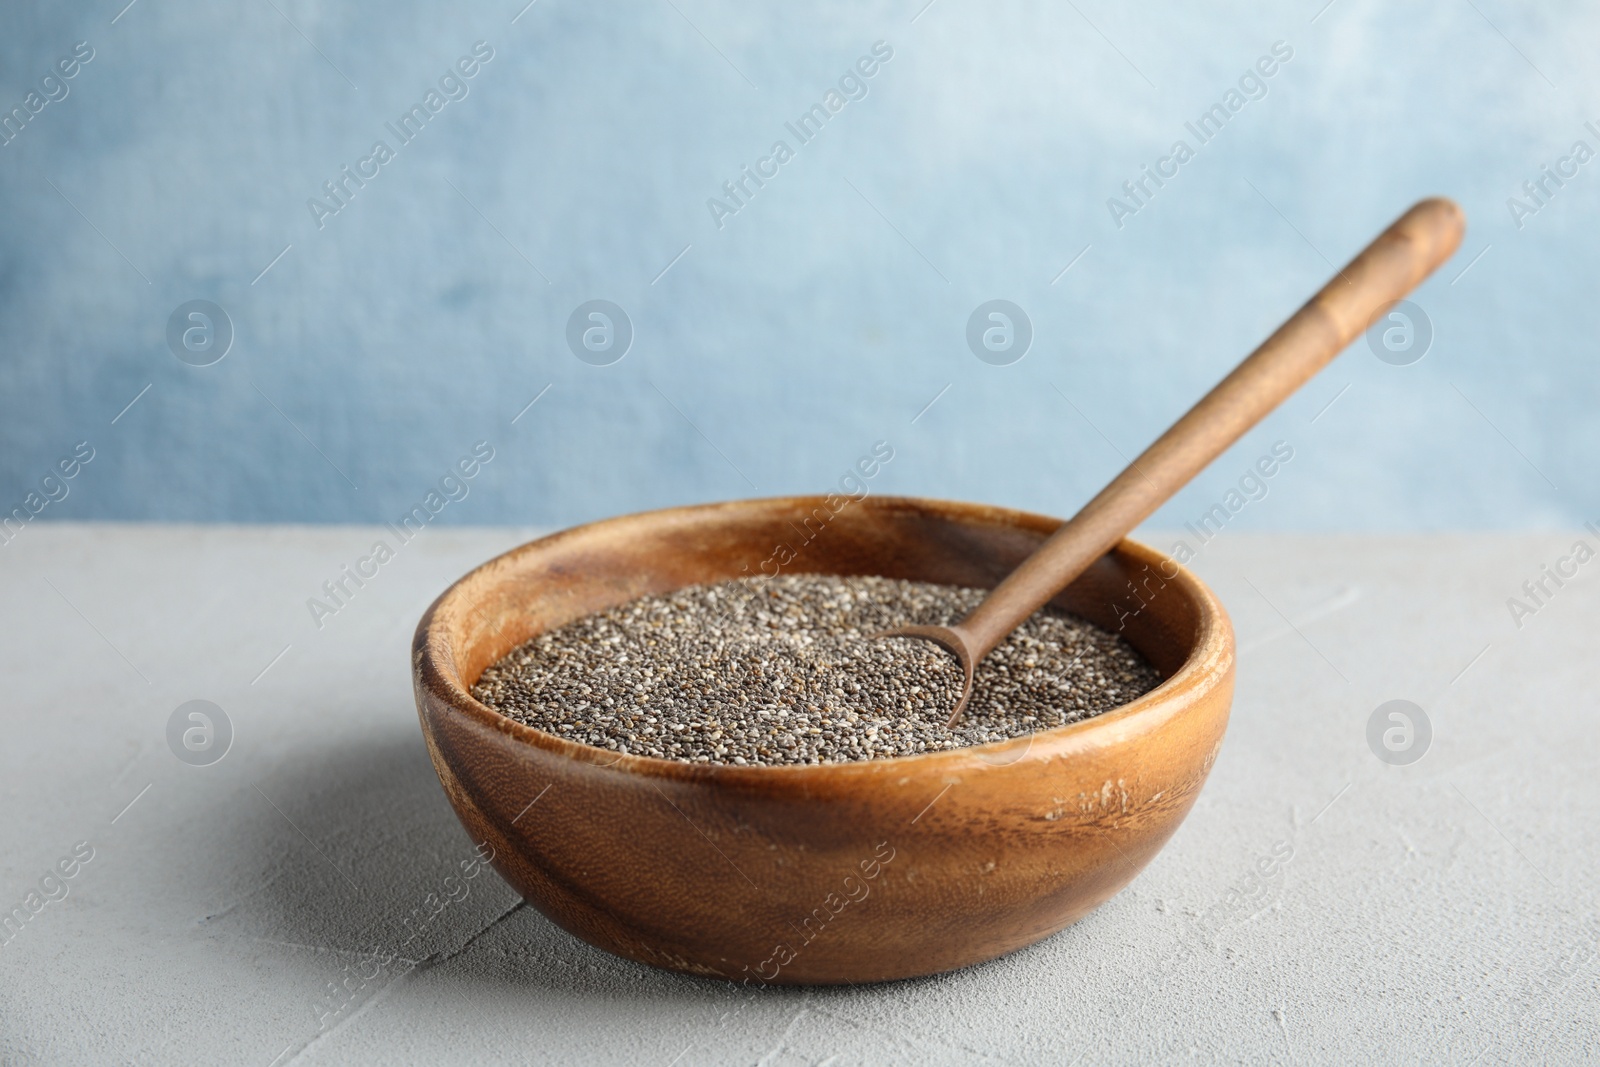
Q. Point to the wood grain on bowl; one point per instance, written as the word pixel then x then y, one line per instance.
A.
pixel 850 872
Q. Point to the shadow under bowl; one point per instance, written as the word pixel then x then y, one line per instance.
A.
pixel 832 873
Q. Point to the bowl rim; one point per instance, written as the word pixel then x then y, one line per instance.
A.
pixel 1207 666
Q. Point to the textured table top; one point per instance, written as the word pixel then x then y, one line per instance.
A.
pixel 288 903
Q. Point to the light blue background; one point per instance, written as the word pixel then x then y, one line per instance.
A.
pixel 822 317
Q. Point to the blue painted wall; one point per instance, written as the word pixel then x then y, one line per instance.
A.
pixel 576 163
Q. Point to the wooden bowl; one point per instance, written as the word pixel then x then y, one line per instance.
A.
pixel 847 872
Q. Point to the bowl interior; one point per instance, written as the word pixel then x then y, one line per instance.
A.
pixel 1134 590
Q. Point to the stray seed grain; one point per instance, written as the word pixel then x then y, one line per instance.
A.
pixel 791 675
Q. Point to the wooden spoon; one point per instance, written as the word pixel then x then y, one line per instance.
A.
pixel 1385 271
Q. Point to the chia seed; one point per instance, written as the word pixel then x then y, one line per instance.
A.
pixel 790 674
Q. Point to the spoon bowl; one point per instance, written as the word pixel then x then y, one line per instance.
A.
pixel 830 873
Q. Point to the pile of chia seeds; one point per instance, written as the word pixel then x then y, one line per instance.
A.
pixel 786 672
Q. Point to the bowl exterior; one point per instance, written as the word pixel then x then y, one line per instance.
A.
pixel 837 873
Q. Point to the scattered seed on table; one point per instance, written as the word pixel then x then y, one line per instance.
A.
pixel 789 674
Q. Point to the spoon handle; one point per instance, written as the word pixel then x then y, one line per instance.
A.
pixel 1384 272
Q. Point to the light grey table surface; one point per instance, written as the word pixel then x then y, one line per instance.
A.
pixel 1440 912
